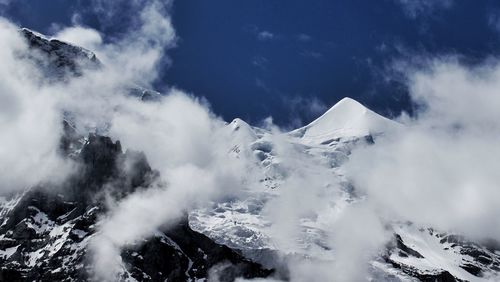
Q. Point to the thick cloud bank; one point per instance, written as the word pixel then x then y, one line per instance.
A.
pixel 188 145
pixel 29 120
pixel 440 170
pixel 179 134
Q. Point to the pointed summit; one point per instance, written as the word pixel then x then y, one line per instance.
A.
pixel 242 128
pixel 348 118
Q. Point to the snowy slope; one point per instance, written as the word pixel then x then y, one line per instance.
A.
pixel 346 119
pixel 46 235
pixel 243 223
pixel 45 231
pixel 425 252
pixel 56 59
pixel 416 254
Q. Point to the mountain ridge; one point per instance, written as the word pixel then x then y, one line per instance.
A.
pixel 346 119
pixel 45 230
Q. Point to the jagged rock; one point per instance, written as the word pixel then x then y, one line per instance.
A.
pixel 414 247
pixel 45 231
pixel 57 59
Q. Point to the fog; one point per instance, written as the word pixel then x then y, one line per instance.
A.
pixel 439 170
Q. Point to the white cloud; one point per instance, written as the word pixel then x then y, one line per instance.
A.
pixel 188 145
pixel 354 246
pixel 437 171
pixel 440 170
pixel 81 36
pixel 303 107
pixel 29 119
pixel 265 35
pixel 179 135
pixel 445 160
pixel 31 116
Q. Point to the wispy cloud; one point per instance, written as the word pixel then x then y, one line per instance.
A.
pixel 85 37
pixel 301 109
pixel 31 112
pixel 445 160
pixel 260 33
pixel 29 118
pixel 494 21
pixel 416 8
pixel 260 62
pixel 265 35
pixel 262 85
pixel 302 37
pixel 437 171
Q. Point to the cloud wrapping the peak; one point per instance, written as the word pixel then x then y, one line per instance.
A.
pixel 98 100
pixel 189 146
pixel 81 36
pixel 29 118
pixel 179 135
pixel 439 171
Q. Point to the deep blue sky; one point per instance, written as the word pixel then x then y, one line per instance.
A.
pixel 256 58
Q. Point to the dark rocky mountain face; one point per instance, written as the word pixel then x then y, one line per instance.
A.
pixel 56 59
pixel 476 259
pixel 45 231
pixel 59 61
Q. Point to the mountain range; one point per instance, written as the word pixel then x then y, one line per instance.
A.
pixel 46 229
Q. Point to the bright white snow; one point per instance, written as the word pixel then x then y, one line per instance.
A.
pixel 346 119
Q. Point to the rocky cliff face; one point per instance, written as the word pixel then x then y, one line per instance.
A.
pixel 428 255
pixel 45 231
pixel 58 59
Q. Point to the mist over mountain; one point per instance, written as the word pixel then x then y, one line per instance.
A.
pixel 103 178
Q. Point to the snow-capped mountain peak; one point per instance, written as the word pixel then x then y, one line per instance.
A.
pixel 57 59
pixel 46 236
pixel 346 119
pixel 238 123
pixel 44 40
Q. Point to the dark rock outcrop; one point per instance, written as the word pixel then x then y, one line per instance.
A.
pixel 45 231
pixel 57 59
